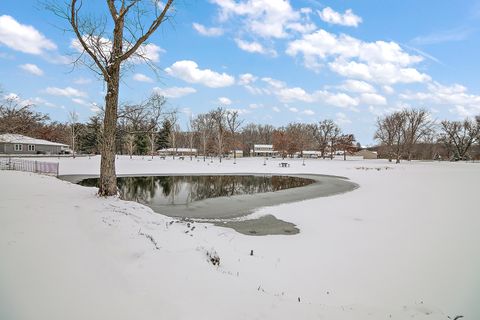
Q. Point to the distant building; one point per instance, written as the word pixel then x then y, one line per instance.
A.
pixel 263 150
pixel 18 144
pixel 366 154
pixel 309 154
pixel 236 153
pixel 178 151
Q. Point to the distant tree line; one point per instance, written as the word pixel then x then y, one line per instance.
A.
pixel 146 127
pixel 413 134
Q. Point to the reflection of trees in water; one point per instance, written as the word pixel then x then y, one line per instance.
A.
pixel 143 189
pixel 140 189
pixel 166 184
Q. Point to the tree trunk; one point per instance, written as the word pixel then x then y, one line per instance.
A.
pixel 108 178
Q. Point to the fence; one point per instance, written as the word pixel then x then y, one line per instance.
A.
pixel 29 166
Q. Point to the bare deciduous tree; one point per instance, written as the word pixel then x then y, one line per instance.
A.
pixel 218 117
pixel 459 137
pixel 418 126
pixel 400 131
pixel 322 133
pixel 17 116
pixel 73 119
pixel 346 143
pixel 391 134
pixel 190 134
pixel 130 144
pixel 334 135
pixel 234 124
pixel 203 124
pixel 280 141
pixel 107 53
pixel 143 119
pixel 173 118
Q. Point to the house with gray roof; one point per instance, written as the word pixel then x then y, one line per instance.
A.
pixel 18 144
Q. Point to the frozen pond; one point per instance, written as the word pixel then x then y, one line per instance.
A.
pixel 225 200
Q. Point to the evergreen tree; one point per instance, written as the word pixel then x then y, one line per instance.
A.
pixel 89 139
pixel 163 136
pixel 141 143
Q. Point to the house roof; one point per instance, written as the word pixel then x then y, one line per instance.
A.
pixel 263 146
pixel 18 138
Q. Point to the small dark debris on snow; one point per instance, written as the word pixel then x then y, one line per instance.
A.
pixel 149 237
pixel 213 257
pixel 251 252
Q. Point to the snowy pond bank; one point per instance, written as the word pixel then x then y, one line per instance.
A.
pixel 225 200
pixel 403 245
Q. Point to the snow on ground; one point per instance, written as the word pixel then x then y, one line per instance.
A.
pixel 404 245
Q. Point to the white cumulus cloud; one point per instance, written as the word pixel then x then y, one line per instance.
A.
pixel 142 78
pixel 188 71
pixel 255 47
pixel 81 102
pixel 149 52
pixel 246 79
pixel 455 96
pixel 291 94
pixel 265 18
pixel 24 38
pixel 386 73
pixel 32 68
pixel 373 99
pixel 209 32
pixel 174 92
pixel 380 61
pixel 308 112
pixel 65 92
pixel 224 101
pixel 357 86
pixel 342 119
pixel 348 18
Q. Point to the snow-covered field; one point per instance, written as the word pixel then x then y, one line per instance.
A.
pixel 404 245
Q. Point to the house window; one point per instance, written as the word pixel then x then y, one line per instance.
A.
pixel 18 147
pixel 31 147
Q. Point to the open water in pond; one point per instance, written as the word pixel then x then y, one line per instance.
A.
pixel 183 190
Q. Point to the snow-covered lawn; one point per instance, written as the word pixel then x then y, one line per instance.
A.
pixel 404 245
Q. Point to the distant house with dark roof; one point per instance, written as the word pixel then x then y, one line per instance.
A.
pixel 18 144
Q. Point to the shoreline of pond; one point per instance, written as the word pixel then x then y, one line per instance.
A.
pixel 233 211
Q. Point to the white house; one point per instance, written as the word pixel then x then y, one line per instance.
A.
pixel 263 150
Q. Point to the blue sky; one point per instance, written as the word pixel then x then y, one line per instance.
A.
pixel 276 61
